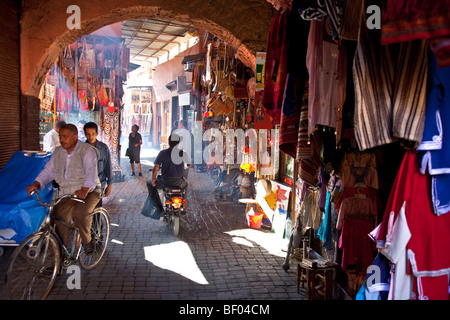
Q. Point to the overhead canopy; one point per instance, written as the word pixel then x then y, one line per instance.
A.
pixel 151 39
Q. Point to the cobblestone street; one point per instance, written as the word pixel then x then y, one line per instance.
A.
pixel 215 257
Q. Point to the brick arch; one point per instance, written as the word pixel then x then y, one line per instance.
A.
pixel 243 24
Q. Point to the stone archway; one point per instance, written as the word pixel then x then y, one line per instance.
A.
pixel 243 24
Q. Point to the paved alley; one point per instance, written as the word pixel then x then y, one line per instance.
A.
pixel 215 257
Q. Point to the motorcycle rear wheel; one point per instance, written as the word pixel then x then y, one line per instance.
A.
pixel 174 224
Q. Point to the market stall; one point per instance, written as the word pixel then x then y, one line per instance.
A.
pixel 359 121
pixel 357 111
pixel 85 84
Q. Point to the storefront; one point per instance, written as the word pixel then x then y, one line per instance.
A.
pixel 357 112
pixel 356 106
pixel 85 84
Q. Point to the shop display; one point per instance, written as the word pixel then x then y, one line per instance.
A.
pixel 85 83
pixel 368 92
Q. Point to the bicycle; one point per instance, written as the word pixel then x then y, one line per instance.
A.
pixel 40 257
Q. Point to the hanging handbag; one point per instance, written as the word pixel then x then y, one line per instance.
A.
pixel 84 62
pixel 82 83
pixel 68 61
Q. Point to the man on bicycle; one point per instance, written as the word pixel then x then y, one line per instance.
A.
pixel 73 166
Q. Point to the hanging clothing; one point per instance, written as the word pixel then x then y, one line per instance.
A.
pixel 372 290
pixel 324 232
pixel 405 20
pixel 311 10
pixel 310 210
pixel 304 149
pixel 359 168
pixel 435 146
pixel 276 66
pixel 357 248
pixel 309 169
pixel 289 124
pixel 327 66
pixel 390 89
pixel 297 73
pixel 427 252
pixel 297 77
pixel 351 19
pixel 357 201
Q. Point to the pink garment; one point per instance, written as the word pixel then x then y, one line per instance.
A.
pixel 327 67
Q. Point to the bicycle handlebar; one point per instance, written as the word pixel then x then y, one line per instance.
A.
pixel 50 204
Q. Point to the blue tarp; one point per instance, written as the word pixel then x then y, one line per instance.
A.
pixel 19 212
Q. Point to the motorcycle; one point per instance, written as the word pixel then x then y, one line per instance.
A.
pixel 174 206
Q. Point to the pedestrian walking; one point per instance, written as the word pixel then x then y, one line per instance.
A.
pixel 134 145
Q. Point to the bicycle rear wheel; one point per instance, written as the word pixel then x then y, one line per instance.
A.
pixel 33 267
pixel 100 238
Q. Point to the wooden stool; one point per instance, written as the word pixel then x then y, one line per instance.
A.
pixel 319 280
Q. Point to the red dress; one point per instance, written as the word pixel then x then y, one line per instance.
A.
pixel 427 250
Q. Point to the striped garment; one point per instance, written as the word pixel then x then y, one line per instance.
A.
pixel 309 169
pixel 304 150
pixel 390 90
pixel 351 17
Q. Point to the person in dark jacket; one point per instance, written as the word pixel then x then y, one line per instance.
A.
pixel 134 143
pixel 104 162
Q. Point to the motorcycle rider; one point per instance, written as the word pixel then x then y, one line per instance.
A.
pixel 172 168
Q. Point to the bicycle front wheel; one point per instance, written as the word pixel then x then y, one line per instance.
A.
pixel 100 238
pixel 33 267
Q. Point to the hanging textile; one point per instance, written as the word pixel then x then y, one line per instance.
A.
pixel 390 90
pixel 110 136
pixel 435 146
pixel 405 20
pixel 324 232
pixel 83 99
pixel 358 207
pixel 351 19
pixel 312 9
pixel 326 62
pixel 359 168
pixel 102 96
pixel 357 248
pixel 297 77
pixel 289 124
pixel 276 72
pixel 335 11
pixel 304 150
pixel 311 214
pixel 309 169
pixel 427 234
